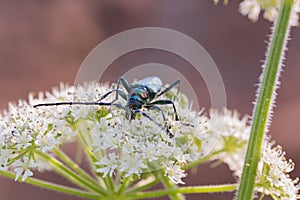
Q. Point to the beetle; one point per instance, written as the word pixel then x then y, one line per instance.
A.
pixel 138 95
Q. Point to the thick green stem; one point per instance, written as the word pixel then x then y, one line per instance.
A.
pixel 265 99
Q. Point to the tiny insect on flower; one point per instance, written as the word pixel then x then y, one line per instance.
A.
pixel 121 146
pixel 138 95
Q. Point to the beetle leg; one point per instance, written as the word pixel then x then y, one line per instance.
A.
pixel 125 84
pixel 164 102
pixel 154 107
pixel 123 81
pixel 165 127
pixel 117 91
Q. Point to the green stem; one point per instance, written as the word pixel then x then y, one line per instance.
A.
pixel 171 186
pixel 18 156
pixel 201 160
pixel 91 157
pixel 69 174
pixel 184 190
pixel 54 187
pixel 109 184
pixel 75 167
pixel 265 99
pixel 124 185
pixel 138 187
pixel 83 138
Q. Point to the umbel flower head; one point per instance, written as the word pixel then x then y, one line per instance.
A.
pixel 272 176
pixel 117 145
pixel 138 150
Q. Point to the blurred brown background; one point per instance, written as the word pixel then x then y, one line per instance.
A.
pixel 44 42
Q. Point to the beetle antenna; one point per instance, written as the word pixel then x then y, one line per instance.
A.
pixel 73 103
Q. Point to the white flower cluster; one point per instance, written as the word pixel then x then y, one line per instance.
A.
pixel 24 130
pixel 235 133
pixel 120 146
pixel 133 148
pixel 252 9
pixel 272 178
pixel 273 174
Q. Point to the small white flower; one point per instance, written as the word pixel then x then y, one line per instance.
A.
pixel 271 14
pixel 150 152
pixel 294 18
pixel 46 142
pixel 182 158
pixel 273 166
pixel 23 168
pixel 275 171
pixel 232 144
pixel 250 8
pixel 174 172
pixel 110 164
pixel 132 165
pixel 23 140
pixel 294 21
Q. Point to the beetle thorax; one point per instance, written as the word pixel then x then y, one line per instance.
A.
pixel 138 98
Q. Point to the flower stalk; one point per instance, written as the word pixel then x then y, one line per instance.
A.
pixel 185 190
pixel 265 100
pixel 61 169
pixel 54 187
